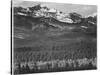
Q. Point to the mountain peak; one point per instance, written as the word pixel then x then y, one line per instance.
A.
pixel 43 11
pixel 92 15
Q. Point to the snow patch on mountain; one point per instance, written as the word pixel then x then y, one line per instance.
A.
pixel 47 12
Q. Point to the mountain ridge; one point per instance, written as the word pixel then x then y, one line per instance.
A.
pixel 29 21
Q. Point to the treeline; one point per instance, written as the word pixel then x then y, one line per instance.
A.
pixel 55 65
pixel 45 53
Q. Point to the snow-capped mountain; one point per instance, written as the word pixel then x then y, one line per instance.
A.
pixel 55 14
pixel 46 19
pixel 92 19
pixel 47 12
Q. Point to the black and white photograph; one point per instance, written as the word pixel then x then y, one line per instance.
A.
pixel 53 37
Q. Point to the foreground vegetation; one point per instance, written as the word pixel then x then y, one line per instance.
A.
pixel 76 56
pixel 55 65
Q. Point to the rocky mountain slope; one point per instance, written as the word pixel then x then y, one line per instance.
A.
pixel 37 22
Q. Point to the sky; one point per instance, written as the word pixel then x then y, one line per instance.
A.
pixel 84 10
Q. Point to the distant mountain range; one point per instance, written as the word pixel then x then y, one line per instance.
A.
pixel 43 19
pixel 43 12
